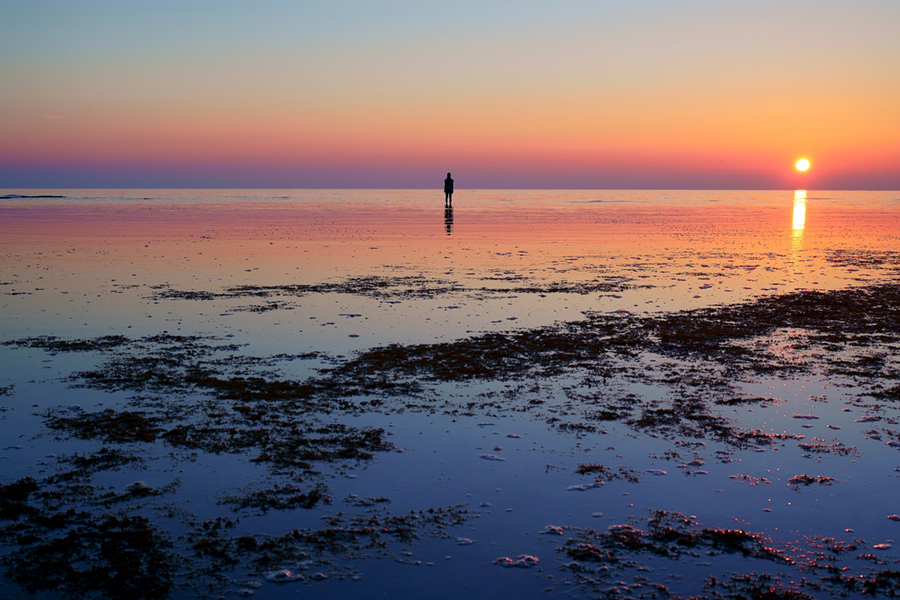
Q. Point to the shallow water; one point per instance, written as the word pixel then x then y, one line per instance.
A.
pixel 292 286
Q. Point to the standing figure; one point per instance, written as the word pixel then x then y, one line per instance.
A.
pixel 448 190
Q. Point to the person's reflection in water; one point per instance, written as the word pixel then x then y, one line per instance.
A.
pixel 448 219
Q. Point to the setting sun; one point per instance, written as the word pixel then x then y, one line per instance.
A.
pixel 802 164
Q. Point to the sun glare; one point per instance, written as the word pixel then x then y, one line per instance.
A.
pixel 802 164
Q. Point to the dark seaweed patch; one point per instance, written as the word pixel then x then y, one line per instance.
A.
pixel 13 498
pixel 867 259
pixel 803 479
pixel 55 344
pixel 372 286
pixel 108 425
pixel 758 586
pixel 739 401
pixel 85 465
pixel 56 543
pixel 279 497
pixel 116 556
pixel 349 536
pixel 600 558
pixel 884 582
pixel 604 474
pixel 246 414
pixel 836 448
pixel 841 314
pixel 668 534
pixel 385 288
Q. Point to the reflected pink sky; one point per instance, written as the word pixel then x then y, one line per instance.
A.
pixel 658 250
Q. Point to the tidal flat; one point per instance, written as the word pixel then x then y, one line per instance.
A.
pixel 356 393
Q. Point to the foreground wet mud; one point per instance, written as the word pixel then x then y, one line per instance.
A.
pixel 181 397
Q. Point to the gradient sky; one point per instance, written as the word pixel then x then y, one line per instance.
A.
pixel 524 94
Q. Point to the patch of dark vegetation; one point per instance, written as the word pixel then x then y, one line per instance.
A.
pixel 836 448
pixel 371 286
pixel 578 428
pixel 375 527
pixel 602 558
pixel 285 447
pixel 245 413
pixel 354 500
pixel 14 497
pixel 759 586
pixel 58 538
pixel 279 497
pixel 107 425
pixel 544 352
pixel 117 556
pixel 739 401
pixel 369 533
pixel 668 534
pixel 52 343
pixel 840 315
pixel 105 459
pixel 386 288
pixel 743 478
pixel 885 582
pixel 52 547
pixel 567 287
pixel 803 479
pixel 603 415
pixel 604 474
pixel 892 394
pixel 867 259
pixel 264 308
pixel 601 561
pixel 688 416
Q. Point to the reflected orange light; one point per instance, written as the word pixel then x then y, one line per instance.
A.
pixel 799 210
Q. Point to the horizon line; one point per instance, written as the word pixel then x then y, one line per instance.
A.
pixel 572 189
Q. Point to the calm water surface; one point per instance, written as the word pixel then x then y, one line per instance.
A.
pixel 291 283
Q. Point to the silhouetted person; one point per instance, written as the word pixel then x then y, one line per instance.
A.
pixel 448 218
pixel 448 190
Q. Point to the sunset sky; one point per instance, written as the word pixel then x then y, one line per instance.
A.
pixel 392 94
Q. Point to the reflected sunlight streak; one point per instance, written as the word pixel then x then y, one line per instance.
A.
pixel 799 210
pixel 799 223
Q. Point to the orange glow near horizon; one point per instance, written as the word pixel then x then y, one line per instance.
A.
pixel 557 102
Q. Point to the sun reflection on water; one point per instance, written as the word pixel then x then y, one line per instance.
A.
pixel 799 212
pixel 799 222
